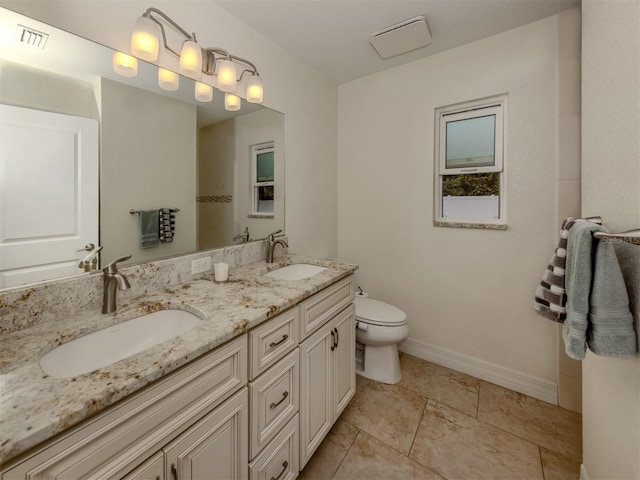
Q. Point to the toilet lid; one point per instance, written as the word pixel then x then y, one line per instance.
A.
pixel 379 313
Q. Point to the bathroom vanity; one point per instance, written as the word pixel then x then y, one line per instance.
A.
pixel 250 392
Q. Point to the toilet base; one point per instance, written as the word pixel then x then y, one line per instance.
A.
pixel 381 363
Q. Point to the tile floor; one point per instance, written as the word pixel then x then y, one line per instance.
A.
pixel 440 424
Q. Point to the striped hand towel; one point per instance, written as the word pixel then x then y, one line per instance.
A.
pixel 551 298
pixel 167 224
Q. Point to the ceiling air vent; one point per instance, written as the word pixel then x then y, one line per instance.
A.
pixel 31 37
pixel 402 37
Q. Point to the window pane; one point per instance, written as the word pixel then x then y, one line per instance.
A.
pixel 471 196
pixel 471 142
pixel 265 167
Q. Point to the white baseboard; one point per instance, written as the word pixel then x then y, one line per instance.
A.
pixel 505 377
pixel 583 472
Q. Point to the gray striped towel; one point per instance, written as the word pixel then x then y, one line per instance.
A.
pixel 167 224
pixel 551 298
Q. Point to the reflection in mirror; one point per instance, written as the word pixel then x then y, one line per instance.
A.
pixel 153 149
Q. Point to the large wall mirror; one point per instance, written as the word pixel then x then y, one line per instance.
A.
pixel 82 147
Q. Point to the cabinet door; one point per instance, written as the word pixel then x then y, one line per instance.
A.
pixel 152 469
pixel 344 359
pixel 316 390
pixel 215 447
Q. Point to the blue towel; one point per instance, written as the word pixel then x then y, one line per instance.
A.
pixel 149 228
pixel 598 312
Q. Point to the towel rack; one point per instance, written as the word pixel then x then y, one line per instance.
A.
pixel 132 211
pixel 630 236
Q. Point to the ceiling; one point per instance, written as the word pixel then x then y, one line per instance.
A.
pixel 332 36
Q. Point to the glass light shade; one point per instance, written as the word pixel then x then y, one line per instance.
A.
pixel 204 93
pixel 145 40
pixel 255 90
pixel 191 59
pixel 168 80
pixel 226 76
pixel 125 65
pixel 231 102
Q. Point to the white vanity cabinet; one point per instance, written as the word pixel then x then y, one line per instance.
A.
pixel 167 423
pixel 327 362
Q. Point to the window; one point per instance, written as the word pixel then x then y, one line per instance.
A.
pixel 469 165
pixel 263 179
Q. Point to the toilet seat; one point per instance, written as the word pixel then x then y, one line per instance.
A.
pixel 379 313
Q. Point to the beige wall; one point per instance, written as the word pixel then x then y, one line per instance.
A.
pixel 467 293
pixel 307 99
pixel 148 160
pixel 611 188
pixel 216 167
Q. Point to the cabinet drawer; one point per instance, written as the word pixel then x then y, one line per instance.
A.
pixel 279 460
pixel 316 310
pixel 270 341
pixel 152 469
pixel 274 400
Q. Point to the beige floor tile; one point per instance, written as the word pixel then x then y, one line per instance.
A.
pixel 388 412
pixel 557 467
pixel 370 459
pixel 459 447
pixel 326 459
pixel 539 422
pixel 447 386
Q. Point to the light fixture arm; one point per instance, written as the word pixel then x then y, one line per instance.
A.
pixel 176 27
pixel 213 54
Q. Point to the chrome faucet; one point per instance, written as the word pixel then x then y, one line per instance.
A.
pixel 112 281
pixel 271 244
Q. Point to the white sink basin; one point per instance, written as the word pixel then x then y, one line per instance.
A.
pixel 104 347
pixel 297 271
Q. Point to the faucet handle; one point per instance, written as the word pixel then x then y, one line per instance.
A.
pixel 91 260
pixel 112 268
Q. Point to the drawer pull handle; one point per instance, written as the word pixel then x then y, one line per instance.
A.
pixel 333 340
pixel 275 344
pixel 174 471
pixel 285 464
pixel 337 337
pixel 275 404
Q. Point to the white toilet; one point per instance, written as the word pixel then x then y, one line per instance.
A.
pixel 379 329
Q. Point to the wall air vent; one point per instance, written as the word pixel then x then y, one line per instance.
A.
pixel 31 37
pixel 402 37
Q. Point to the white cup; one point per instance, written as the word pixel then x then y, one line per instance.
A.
pixel 221 272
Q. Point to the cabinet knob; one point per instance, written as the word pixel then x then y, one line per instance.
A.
pixel 285 464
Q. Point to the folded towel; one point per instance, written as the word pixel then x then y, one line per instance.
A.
pixel 597 304
pixel 167 224
pixel 610 331
pixel 550 297
pixel 149 228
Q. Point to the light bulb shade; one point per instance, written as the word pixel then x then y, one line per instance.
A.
pixel 191 59
pixel 227 76
pixel 125 65
pixel 168 80
pixel 255 90
pixel 204 93
pixel 231 102
pixel 145 40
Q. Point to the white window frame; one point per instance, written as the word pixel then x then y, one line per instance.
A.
pixel 497 106
pixel 255 184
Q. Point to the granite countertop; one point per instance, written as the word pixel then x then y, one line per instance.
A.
pixel 35 407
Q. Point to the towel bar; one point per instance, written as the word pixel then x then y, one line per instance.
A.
pixel 630 236
pixel 132 211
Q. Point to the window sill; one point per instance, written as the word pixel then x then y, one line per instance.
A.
pixel 261 216
pixel 480 226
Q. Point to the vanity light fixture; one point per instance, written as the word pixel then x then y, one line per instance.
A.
pixel 227 69
pixel 167 79
pixel 125 65
pixel 204 92
pixel 231 102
